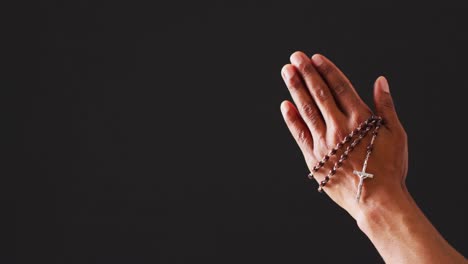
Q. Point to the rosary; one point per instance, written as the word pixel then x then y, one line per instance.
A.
pixel 358 134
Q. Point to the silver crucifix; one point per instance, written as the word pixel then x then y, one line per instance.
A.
pixel 362 176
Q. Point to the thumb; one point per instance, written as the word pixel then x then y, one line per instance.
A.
pixel 384 103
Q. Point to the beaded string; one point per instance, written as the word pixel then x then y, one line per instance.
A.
pixel 361 131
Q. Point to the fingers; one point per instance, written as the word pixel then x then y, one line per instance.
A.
pixel 384 103
pixel 297 127
pixel 304 102
pixel 345 95
pixel 317 87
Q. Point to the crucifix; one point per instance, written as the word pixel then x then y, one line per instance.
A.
pixel 361 131
pixel 362 176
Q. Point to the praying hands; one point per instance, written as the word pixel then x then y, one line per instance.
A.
pixel 359 163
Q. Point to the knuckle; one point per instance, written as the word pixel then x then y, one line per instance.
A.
pixel 321 146
pixel 357 118
pixel 309 109
pixel 360 116
pixel 310 113
pixel 326 69
pixel 339 134
pixel 355 103
pixel 309 159
pixel 293 82
pixel 404 135
pixel 340 88
pixel 320 92
pixel 292 120
pixel 302 138
pixel 306 68
pixel 387 102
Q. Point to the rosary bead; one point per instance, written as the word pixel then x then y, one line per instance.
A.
pixel 361 131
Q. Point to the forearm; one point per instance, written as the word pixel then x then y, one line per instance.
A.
pixel 402 233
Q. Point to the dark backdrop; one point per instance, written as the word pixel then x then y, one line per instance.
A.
pixel 151 133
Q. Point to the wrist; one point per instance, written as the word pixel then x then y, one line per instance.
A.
pixel 401 232
pixel 386 210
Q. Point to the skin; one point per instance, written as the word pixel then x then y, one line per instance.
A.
pixel 326 108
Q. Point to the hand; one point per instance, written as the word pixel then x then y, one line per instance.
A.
pixel 327 108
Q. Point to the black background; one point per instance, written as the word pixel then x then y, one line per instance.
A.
pixel 151 133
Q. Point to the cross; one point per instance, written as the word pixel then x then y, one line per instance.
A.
pixel 362 176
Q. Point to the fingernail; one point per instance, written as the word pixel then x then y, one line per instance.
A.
pixel 284 108
pixel 286 73
pixel 317 59
pixel 297 58
pixel 384 84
